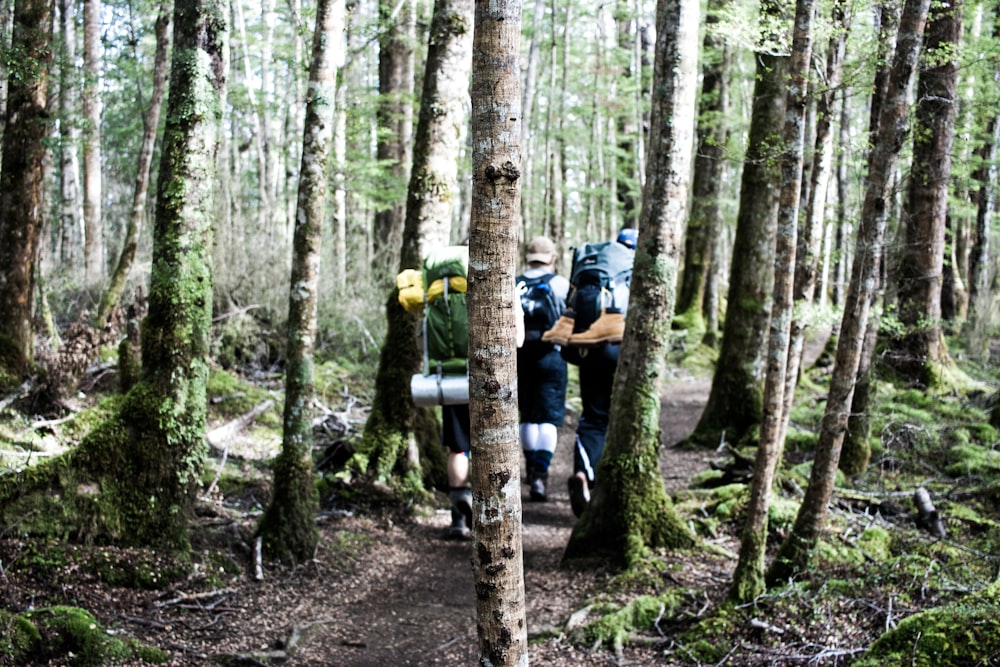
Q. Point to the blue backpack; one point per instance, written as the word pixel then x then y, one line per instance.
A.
pixel 540 304
pixel 601 278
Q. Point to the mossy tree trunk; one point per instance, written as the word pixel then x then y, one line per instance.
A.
pixel 748 578
pixel 735 400
pixel 21 182
pixel 705 221
pixel 495 472
pixel 630 511
pixel 162 420
pixel 397 38
pixel 857 451
pixel 920 353
pixel 133 478
pixel 795 553
pixel 433 191
pixel 289 523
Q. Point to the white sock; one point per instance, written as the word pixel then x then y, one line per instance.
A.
pixel 529 437
pixel 548 436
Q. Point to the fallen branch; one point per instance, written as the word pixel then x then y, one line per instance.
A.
pixel 928 517
pixel 26 388
pixel 258 559
pixel 219 437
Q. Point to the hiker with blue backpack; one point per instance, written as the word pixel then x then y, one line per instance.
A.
pixel 589 334
pixel 541 370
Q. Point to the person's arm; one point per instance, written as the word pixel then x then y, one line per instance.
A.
pixel 518 318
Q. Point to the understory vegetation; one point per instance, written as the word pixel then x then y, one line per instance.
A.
pixel 887 586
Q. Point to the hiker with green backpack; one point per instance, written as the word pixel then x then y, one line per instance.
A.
pixel 438 292
pixel 590 334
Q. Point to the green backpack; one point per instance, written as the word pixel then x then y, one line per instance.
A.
pixel 446 317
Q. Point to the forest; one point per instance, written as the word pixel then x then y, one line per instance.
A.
pixel 210 452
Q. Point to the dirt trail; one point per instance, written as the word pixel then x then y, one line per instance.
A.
pixel 412 602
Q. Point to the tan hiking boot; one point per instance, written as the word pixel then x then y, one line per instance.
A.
pixel 560 333
pixel 608 328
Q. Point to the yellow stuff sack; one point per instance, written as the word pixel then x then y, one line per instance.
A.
pixel 455 284
pixel 410 285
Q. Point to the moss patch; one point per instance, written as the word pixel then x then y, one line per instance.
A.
pixel 966 632
pixel 73 636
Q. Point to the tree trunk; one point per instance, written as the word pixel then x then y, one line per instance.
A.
pixel 289 524
pixel 795 553
pixel 151 124
pixel 91 103
pixel 527 132
pixel 21 182
pixel 705 222
pixel 630 511
pixel 71 213
pixel 133 478
pixel 395 118
pixel 734 403
pixel 497 560
pixel 748 578
pixel 980 257
pixel 920 354
pixel 431 202
pixel 626 181
pixel 263 203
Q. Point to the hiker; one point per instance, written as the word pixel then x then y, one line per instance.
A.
pixel 541 370
pixel 445 380
pixel 590 334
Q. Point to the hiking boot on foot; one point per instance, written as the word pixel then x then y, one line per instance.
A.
pixel 579 494
pixel 561 332
pixel 461 513
pixel 538 490
pixel 608 328
pixel 458 530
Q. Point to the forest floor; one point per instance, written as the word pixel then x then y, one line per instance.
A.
pixel 386 588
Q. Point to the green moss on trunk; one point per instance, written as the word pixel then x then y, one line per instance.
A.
pixel 748 578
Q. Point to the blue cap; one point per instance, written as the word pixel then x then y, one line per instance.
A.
pixel 628 237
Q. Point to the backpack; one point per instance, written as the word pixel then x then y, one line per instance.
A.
pixel 446 316
pixel 601 278
pixel 445 327
pixel 541 306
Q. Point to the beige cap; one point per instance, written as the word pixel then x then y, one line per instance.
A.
pixel 541 249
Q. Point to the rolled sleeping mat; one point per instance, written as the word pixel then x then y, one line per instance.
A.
pixel 428 390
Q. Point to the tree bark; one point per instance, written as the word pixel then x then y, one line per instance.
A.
pixel 527 104
pixel 748 578
pixel 920 353
pixel 151 124
pixel 395 118
pixel 795 553
pixel 734 403
pixel 705 222
pixel 21 182
pixel 71 213
pixel 289 523
pixel 630 511
pixel 92 181
pixel 981 255
pixel 497 560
